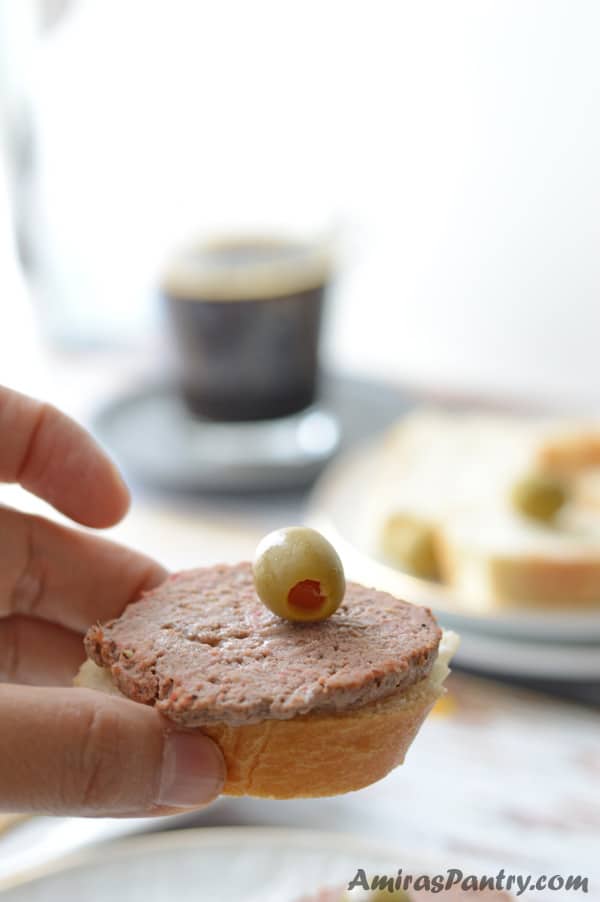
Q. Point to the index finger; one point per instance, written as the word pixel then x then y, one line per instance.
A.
pixel 50 455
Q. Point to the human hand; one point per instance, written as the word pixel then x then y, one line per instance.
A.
pixel 65 750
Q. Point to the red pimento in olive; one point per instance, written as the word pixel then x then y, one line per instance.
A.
pixel 307 595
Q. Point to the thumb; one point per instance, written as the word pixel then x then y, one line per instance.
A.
pixel 79 752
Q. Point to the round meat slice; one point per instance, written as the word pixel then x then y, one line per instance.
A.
pixel 204 649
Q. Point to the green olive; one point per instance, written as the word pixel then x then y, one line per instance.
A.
pixel 298 574
pixel 539 497
pixel 409 542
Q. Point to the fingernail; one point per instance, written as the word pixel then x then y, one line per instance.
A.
pixel 193 771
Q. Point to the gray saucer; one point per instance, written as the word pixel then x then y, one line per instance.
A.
pixel 158 443
pixel 156 440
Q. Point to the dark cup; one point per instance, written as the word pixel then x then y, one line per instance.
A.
pixel 246 316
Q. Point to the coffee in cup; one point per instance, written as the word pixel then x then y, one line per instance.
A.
pixel 245 313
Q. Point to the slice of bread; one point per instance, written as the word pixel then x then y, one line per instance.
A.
pixel 495 559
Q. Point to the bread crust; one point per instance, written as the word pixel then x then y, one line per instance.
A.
pixel 509 581
pixel 322 754
pixel 570 451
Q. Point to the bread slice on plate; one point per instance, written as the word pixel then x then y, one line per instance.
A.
pixel 501 560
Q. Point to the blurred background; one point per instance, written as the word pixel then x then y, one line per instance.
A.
pixel 453 144
pixel 448 153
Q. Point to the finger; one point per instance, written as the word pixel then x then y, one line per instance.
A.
pixel 79 752
pixel 55 458
pixel 37 653
pixel 66 576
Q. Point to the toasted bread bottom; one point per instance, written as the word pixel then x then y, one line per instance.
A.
pixel 317 754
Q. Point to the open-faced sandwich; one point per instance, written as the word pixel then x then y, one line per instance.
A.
pixel 503 510
pixel 310 686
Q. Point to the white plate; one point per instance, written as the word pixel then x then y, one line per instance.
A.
pixel 335 509
pixel 37 841
pixel 510 656
pixel 211 865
